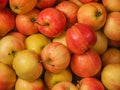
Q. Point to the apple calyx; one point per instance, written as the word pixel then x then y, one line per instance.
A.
pixel 16 7
pixel 33 20
pixel 12 53
pixel 98 13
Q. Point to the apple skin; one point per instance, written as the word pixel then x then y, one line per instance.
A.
pixel 7 77
pixel 22 84
pixel 28 25
pixel 27 66
pixel 80 38
pixel 51 22
pixel 92 14
pixel 42 4
pixel 80 66
pixel 77 2
pixel 110 76
pixel 3 4
pixel 9 45
pixel 112 26
pixel 100 47
pixel 64 86
pixel 114 43
pixel 18 35
pixel 113 5
pixel 36 42
pixel 90 83
pixel 111 55
pixel 7 21
pixel 52 79
pixel 61 39
pixel 88 1
pixel 70 10
pixel 22 6
pixel 52 58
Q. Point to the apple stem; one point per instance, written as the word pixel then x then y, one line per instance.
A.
pixel 47 63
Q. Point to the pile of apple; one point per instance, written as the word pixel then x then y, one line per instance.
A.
pixel 59 44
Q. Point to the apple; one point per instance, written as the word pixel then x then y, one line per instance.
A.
pixel 28 25
pixel 3 4
pixel 61 39
pixel 87 64
pixel 111 55
pixel 27 66
pixel 77 2
pixel 51 22
pixel 22 6
pixel 90 83
pixel 9 45
pixel 112 5
pixel 110 76
pixel 7 77
pixel 102 42
pixel 92 14
pixel 52 79
pixel 80 38
pixel 42 4
pixel 64 85
pixel 70 10
pixel 88 1
pixel 17 35
pixel 111 27
pixel 22 84
pixel 55 57
pixel 36 42
pixel 7 21
pixel 114 43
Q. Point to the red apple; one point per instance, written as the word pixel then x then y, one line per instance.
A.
pixel 28 25
pixel 7 77
pixel 111 55
pixel 22 84
pixel 3 4
pixel 52 79
pixel 111 5
pixel 70 10
pixel 27 66
pixel 92 14
pixel 64 86
pixel 55 57
pixel 18 35
pixel 80 37
pixel 114 43
pixel 112 26
pixel 88 1
pixel 42 4
pixel 22 6
pixel 90 84
pixel 51 22
pixel 9 45
pixel 87 64
pixel 7 21
pixel 110 76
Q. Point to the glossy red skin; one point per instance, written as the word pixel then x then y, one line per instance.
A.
pixel 7 21
pixel 3 4
pixel 51 22
pixel 45 3
pixel 91 84
pixel 87 64
pixel 80 37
